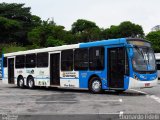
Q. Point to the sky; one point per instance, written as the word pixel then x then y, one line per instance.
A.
pixel 103 12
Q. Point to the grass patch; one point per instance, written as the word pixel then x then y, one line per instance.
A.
pixel 8 48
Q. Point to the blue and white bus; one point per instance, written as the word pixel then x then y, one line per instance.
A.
pixel 116 64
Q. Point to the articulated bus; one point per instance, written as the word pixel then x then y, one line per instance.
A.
pixel 116 64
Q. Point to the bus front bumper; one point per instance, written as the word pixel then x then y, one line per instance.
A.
pixel 133 83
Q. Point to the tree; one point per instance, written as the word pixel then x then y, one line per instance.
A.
pixel 124 29
pixel 7 29
pixel 50 34
pixel 85 30
pixel 128 29
pixel 51 42
pixel 112 32
pixel 156 28
pixel 82 25
pixel 154 37
pixel 23 16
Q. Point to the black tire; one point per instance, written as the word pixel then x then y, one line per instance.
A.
pixel 95 85
pixel 20 82
pixel 30 83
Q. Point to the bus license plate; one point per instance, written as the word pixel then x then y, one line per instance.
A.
pixel 147 84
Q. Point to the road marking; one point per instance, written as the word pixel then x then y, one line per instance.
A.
pixel 139 91
pixel 121 114
pixel 157 99
pixel 120 100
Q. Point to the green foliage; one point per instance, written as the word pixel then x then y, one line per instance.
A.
pixel 125 29
pixel 8 24
pixel 85 30
pixel 48 29
pixel 82 25
pixel 19 21
pixel 12 47
pixel 128 29
pixel 154 38
pixel 51 42
pixel 8 29
pixel 18 25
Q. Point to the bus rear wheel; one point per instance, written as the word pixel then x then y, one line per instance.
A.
pixel 20 82
pixel 95 85
pixel 30 83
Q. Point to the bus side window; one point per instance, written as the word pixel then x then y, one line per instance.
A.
pixel 67 60
pixel 42 59
pixel 81 59
pixel 30 60
pixel 20 61
pixel 96 58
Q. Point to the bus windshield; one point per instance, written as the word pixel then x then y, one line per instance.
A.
pixel 143 59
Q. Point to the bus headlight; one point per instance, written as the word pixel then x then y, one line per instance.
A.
pixel 135 77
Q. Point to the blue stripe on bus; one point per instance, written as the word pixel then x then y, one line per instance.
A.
pixel 103 43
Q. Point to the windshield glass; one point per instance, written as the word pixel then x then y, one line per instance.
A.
pixel 144 59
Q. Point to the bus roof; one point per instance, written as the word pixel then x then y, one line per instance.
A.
pixel 48 49
pixel 73 46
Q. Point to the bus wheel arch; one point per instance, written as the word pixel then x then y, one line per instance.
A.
pixel 20 81
pixel 95 84
pixel 30 82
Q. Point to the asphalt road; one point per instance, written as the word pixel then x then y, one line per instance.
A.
pixel 64 103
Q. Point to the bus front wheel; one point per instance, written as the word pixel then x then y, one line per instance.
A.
pixel 31 83
pixel 95 85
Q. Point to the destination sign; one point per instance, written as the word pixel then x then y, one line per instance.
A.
pixel 139 43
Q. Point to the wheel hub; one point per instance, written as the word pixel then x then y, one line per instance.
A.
pixel 30 83
pixel 96 85
pixel 21 83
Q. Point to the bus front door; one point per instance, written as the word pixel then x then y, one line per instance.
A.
pixel 11 70
pixel 116 67
pixel 54 69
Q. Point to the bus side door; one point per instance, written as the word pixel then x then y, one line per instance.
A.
pixel 116 67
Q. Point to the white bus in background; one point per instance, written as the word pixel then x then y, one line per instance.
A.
pixel 157 55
